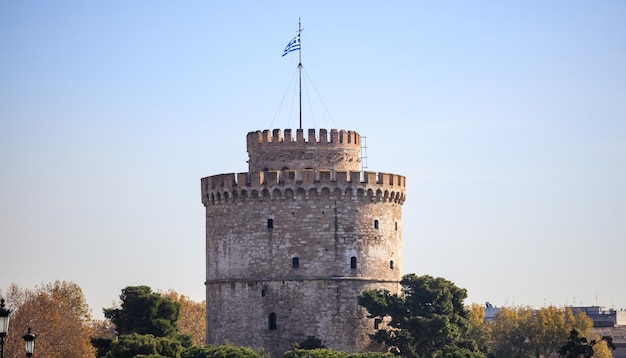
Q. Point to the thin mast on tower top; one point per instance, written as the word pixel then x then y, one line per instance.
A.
pixel 300 70
pixel 294 45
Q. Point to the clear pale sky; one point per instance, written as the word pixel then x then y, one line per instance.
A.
pixel 507 118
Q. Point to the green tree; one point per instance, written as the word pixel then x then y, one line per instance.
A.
pixel 146 322
pixel 222 351
pixel 314 353
pixel 144 312
pixel 311 342
pixel 426 320
pixel 328 353
pixel 457 352
pixel 371 355
pixel 141 345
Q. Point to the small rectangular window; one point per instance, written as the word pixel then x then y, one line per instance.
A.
pixel 353 262
pixel 375 224
pixel 295 262
pixel 270 223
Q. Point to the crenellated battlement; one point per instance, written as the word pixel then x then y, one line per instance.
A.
pixel 337 138
pixel 384 186
pixel 274 150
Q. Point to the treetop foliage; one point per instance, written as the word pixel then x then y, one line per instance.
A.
pixel 145 312
pixel 144 345
pixel 192 316
pixel 58 314
pixel 526 332
pixel 428 319
pixel 311 342
pixel 327 353
pixel 222 351
pixel 577 346
pixel 146 322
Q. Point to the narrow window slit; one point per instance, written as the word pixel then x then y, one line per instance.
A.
pixel 271 320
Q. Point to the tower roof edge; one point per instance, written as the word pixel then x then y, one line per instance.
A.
pixel 337 137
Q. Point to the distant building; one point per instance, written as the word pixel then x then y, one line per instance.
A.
pixel 603 317
pixel 490 312
pixel 608 322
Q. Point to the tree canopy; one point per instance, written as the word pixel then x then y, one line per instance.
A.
pixel 146 322
pixel 192 316
pixel 222 351
pixel 428 319
pixel 311 342
pixel 328 353
pixel 133 345
pixel 581 347
pixel 528 332
pixel 144 312
pixel 58 314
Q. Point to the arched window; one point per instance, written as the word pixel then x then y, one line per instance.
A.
pixel 270 223
pixel 391 264
pixel 353 262
pixel 271 321
pixel 375 224
pixel 396 226
pixel 295 262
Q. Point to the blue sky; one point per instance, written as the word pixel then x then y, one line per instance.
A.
pixel 507 118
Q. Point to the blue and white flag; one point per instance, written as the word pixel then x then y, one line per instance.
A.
pixel 293 45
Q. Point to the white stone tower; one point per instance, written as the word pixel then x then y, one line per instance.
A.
pixel 291 243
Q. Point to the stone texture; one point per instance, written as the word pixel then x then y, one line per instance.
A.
pixel 318 211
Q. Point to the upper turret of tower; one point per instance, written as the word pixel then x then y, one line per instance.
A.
pixel 273 151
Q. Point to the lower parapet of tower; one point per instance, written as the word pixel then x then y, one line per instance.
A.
pixel 287 260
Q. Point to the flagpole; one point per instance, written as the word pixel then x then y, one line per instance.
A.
pixel 300 70
pixel 294 45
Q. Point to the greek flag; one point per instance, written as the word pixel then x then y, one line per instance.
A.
pixel 293 45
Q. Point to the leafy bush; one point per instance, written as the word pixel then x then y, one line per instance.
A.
pixel 328 353
pixel 222 351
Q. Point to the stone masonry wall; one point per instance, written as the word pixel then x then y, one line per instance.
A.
pixel 322 234
pixel 326 309
pixel 289 251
